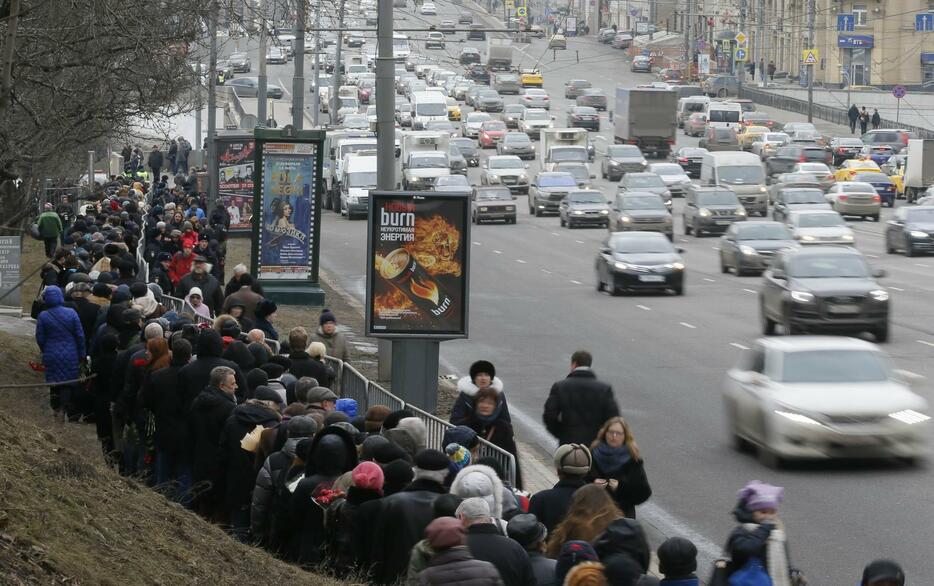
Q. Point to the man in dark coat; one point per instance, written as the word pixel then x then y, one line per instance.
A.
pixel 579 405
pixel 487 543
pixel 160 273
pixel 453 564
pixel 531 534
pixel 172 156
pixel 404 516
pixel 209 412
pixel 155 162
pixel 195 376
pixel 211 289
pixel 572 462
pixel 853 115
pixel 304 365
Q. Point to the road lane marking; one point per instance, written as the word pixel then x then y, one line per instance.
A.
pixel 682 239
pixel 871 255
pixel 477 244
pixel 715 247
pixel 740 346
pixel 579 241
pixel 546 271
pixel 576 282
pixel 689 326
pixel 926 343
pixel 896 288
pixel 555 234
pixel 520 261
pixel 709 280
pixel 748 290
pixel 497 252
pixel 922 265
pixel 644 308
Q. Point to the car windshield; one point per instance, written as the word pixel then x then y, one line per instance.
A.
pixel 812 266
pixel 457 180
pixel 623 151
pixel 872 178
pixel 717 115
pixel 834 366
pixel 361 179
pixel 493 194
pixel 585 110
pixel 775 137
pixel 801 196
pixel 431 109
pixel 695 106
pixel 921 215
pixel 849 142
pixel 514 109
pixel 506 163
pixel 717 198
pixel 580 172
pixel 562 180
pixel 477 117
pixel 642 202
pixel 644 181
pixel 875 137
pixel 559 154
pixel 691 152
pixel 454 151
pixel 532 115
pixel 724 134
pixel 488 94
pixel 668 169
pixel 464 145
pixel 820 220
pixel 762 231
pixel 636 245
pixel 429 160
pixel 813 168
pixel 495 125
pixel 517 138
pixel 507 78
pixel 586 197
pixel 853 187
pixel 349 102
pixel 742 174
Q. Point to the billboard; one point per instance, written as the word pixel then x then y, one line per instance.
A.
pixel 235 179
pixel 418 249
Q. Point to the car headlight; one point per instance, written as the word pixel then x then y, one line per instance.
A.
pixel 604 212
pixel 802 296
pixel 909 416
pixel 740 211
pixel 645 163
pixel 675 266
pixel 523 177
pixel 806 238
pixel 748 250
pixel 879 295
pixel 625 219
pixel 703 212
pixel 918 234
pixel 615 163
pixel 621 266
pixel 798 418
pixel 847 237
pixel 510 208
pixel 493 179
pixel 484 209
pixel 578 213
pixel 762 189
pixel 415 179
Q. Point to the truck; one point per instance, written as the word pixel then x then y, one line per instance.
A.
pixel 425 157
pixel 499 54
pixel 919 168
pixel 646 117
pixel 332 159
pixel 562 145
pixel 358 177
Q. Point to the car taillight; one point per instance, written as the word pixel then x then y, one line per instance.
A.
pixel 841 150
pixel 843 197
pixel 683 160
pixel 632 141
pixel 876 197
pixel 671 141
pixel 802 159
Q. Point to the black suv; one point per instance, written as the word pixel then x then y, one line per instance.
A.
pixel 911 230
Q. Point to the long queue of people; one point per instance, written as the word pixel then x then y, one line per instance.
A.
pixel 252 436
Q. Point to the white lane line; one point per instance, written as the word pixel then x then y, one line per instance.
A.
pixel 748 290
pixel 555 234
pixel 922 265
pixel 477 244
pixel 740 346
pixel 644 308
pixel 682 239
pixel 689 326
pixel 284 88
pixel 926 343
pixel 546 271
pixel 497 252
pixel 871 255
pixel 709 280
pixel 896 288
pixel 576 282
pixel 520 261
pixel 715 247
pixel 579 241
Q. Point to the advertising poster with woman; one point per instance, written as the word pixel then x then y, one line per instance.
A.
pixel 288 210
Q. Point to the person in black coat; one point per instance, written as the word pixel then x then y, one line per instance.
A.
pixel 625 537
pixel 853 115
pixel 209 413
pixel 580 404
pixel 209 348
pixel 302 364
pixel 489 419
pixel 572 462
pixel 487 543
pixel 367 487
pixel 87 310
pixel 211 289
pixel 617 465
pixel 102 366
pixel 160 273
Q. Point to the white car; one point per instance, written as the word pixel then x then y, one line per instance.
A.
pixel 471 126
pixel 435 39
pixel 817 397
pixel 769 143
pixel 819 227
pixel 534 120
pixel 676 180
pixel 356 122
pixel 536 98
pixel 428 8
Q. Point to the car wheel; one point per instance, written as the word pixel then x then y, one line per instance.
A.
pixel 721 93
pixel 600 284
pixel 538 213
pixel 910 250
pixel 768 324
pixel 768 458
pixel 687 228
pixel 888 247
pixel 679 290
pixel 882 333
pixel 723 266
pixel 737 441
pixel 698 233
pixel 788 326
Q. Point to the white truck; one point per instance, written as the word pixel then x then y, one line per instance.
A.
pixel 647 118
pixel 425 157
pixel 498 54
pixel 919 168
pixel 358 177
pixel 562 145
pixel 332 160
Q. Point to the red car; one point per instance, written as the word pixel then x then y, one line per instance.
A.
pixel 491 132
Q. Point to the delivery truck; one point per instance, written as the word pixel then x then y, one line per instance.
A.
pixel 919 168
pixel 647 118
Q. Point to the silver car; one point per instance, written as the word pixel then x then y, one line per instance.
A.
pixel 471 126
pixel 854 198
pixel 673 175
pixel 508 170
pixel 819 227
pixel 649 182
pixel 516 143
pixel 535 98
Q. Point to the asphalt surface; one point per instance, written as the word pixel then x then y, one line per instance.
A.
pixel 533 302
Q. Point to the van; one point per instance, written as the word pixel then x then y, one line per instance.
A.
pixel 741 172
pixel 724 114
pixel 358 177
pixel 428 106
pixel 691 105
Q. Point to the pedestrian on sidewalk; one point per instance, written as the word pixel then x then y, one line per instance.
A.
pixel 572 463
pixel 579 405
pixel 327 334
pixel 771 71
pixel 50 228
pixel 677 561
pixel 853 115
pixel 172 156
pixel 591 512
pixel 883 573
pixel 876 119
pixel 155 162
pixel 61 340
pixel 863 120
pixel 618 467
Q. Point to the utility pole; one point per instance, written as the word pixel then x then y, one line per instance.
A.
pixel 688 20
pixel 740 70
pixel 298 78
pixel 316 98
pixel 9 53
pixel 760 40
pixel 336 76
pixel 261 99
pixel 811 10
pixel 212 104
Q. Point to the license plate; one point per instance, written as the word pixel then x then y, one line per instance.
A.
pixel 651 278
pixel 843 308
pixel 723 222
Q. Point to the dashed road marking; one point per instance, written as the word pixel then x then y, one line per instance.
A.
pixel 709 280
pixel 926 343
pixel 579 241
pixel 689 326
pixel 682 239
pixel 922 265
pixel 871 255
pixel 546 271
pixel 738 345
pixel 497 252
pixel 643 307
pixel 520 261
pixel 896 288
pixel 715 247
pixel 748 290
pixel 576 282
pixel 555 234
pixel 477 244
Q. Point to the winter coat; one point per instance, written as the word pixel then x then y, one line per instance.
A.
pixel 456 566
pixel 236 463
pixel 340 532
pixel 209 412
pixel 748 539
pixel 633 486
pixel 626 537
pixel 179 266
pixel 853 113
pixel 543 568
pixel 88 313
pixel 487 543
pixel 401 524
pixel 467 484
pixel 50 225
pixel 263 489
pixel 463 406
pixel 364 521
pixel 578 406
pixel 60 337
pixel 173 152
pixel 195 376
pixel 305 365
pixel 336 343
pixel 269 330
pixel 419 560
pixel 155 161
pixel 247 297
pixel 210 289
pixel 551 505
pixel 164 397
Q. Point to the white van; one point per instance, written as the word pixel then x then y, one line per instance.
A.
pixel 428 106
pixel 353 71
pixel 691 105
pixel 358 177
pixel 741 172
pixel 724 114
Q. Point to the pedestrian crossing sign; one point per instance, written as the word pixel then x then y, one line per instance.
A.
pixel 810 56
pixel 521 11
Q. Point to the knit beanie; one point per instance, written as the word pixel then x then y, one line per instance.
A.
pixel 347 406
pixel 572 553
pixel 326 316
pixel 369 476
pixel 459 457
pixel 397 475
pixel 677 558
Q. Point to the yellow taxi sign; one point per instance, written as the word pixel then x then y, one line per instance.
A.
pixel 810 56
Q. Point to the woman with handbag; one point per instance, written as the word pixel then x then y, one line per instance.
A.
pixel 618 466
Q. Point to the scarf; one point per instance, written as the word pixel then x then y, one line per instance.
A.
pixel 611 460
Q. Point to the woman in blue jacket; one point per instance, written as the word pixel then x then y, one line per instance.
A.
pixel 61 340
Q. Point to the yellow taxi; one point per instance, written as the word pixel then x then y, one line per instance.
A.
pixel 749 135
pixel 898 179
pixel 851 167
pixel 531 78
pixel 454 110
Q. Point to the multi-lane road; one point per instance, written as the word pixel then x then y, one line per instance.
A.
pixel 534 301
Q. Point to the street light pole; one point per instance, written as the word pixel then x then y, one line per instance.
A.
pixel 336 75
pixel 212 104
pixel 316 98
pixel 811 10
pixel 298 78
pixel 261 99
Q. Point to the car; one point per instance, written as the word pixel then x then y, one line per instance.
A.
pixel 638 261
pixel 673 175
pixel 758 119
pixel 434 40
pixel 605 35
pixel 584 207
pixel 516 143
pixel 491 132
pixel 580 171
pixel 786 157
pixel 536 30
pixel 792 199
pixel 786 180
pixel 355 121
pixel 843 148
pixel 642 63
pixel 857 198
pixel 820 398
pixel 749 247
pixel 584 117
pixel 461 87
pixel 640 210
pixel 488 100
pixel 720 86
pixel 468 149
pixel 825 288
pixel 403 113
pixel 476 32
pixel 593 97
pixel 512 113
pixel 620 159
pixel 506 82
pixel 670 75
pixel 575 87
pixel 819 227
pixel 248 87
pixel 534 120
pixel 454 109
pixel 531 78
pixel 791 128
pixel 853 167
pixel 911 230
pixel 897 138
pixel 621 40
pixel 719 138
pixel 457 161
pixel 558 42
pixel 493 203
pixel 440 126
pixel 457 183
pixel 696 124
pixel 356 40
pixel 276 55
pixel 471 126
pixel 240 62
pixel 769 143
pixel 746 105
pixel 428 9
pixel 690 159
pixel 506 170
pixel 819 171
pixel 447 26
pixel 710 208
pixel 878 154
pixel 477 73
pixel 548 189
pixel 465 18
pixel 645 181
pixel 469 55
pixel 535 98
pixel 749 134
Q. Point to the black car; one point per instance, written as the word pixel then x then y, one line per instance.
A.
pixel 584 117
pixel 476 33
pixel 586 207
pixel 468 149
pixel 469 55
pixel 911 230
pixel 844 148
pixel 751 246
pixel 690 159
pixel 823 288
pixel 478 74
pixel 639 261
pixel 785 158
pixel 897 138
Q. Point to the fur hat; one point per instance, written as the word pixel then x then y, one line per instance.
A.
pixel 480 481
pixel 482 366
pixel 573 459
pixel 375 416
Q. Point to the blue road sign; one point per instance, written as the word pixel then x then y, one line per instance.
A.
pixel 924 22
pixel 899 91
pixel 740 54
pixel 846 22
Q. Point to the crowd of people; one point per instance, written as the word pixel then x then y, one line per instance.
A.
pixel 210 405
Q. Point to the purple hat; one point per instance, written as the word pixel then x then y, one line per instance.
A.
pixel 759 496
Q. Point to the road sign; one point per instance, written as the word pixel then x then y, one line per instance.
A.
pixel 522 11
pixel 924 22
pixel 899 91
pixel 846 22
pixel 703 63
pixel 510 4
pixel 810 56
pixel 741 38
pixel 739 54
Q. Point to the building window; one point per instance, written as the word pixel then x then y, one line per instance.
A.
pixel 861 14
pixel 931 6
